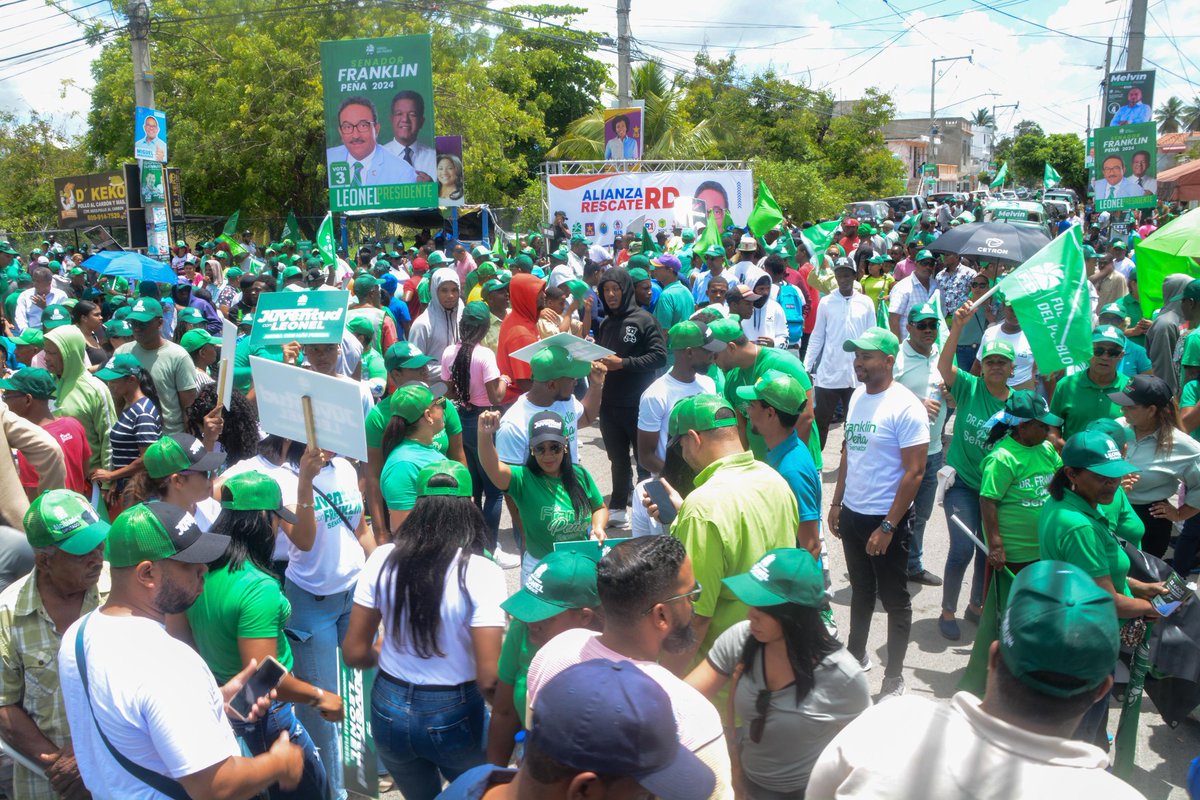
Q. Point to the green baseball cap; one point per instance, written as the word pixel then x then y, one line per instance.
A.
pixel 1031 406
pixel 124 365
pixel 77 271
pixel 1089 252
pixel 1112 309
pixel 523 261
pixel 998 347
pixel 255 491
pixel 782 575
pixel 145 310
pixel 7 249
pixel 55 316
pixel 177 453
pixel 687 235
pixel 195 339
pixel 579 238
pixel 363 285
pixel 485 270
pixel 291 272
pixel 561 254
pixel 778 390
pixel 874 339
pixel 118 328
pixel 927 311
pixel 476 311
pixel 411 400
pixel 361 326
pixel 1190 292
pixel 700 413
pixel 924 255
pixel 686 334
pixel 30 336
pixel 551 363
pixel 1110 334
pixel 233 273
pixel 727 329
pixel 33 381
pixel 180 243
pixel 155 531
pixel 404 355
pixel 1095 451
pixel 1059 633
pixel 638 261
pixel 563 580
pixel 496 284
pixel 714 251
pixel 1118 245
pixel 1110 428
pixel 578 288
pixel 436 258
pixel 221 254
pixel 462 485
pixel 66 520
pixel 878 259
pixel 191 316
pixel 638 275
pixel 866 230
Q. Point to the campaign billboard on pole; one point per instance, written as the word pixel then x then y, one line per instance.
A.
pixel 623 133
pixel 1129 98
pixel 1126 167
pixel 380 152
pixel 149 134
pixel 451 190
pixel 85 200
pixel 604 205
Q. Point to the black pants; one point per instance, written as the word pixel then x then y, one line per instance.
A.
pixel 883 576
pixel 1158 530
pixel 618 428
pixel 826 405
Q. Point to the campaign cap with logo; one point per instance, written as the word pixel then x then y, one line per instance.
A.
pixel 179 452
pixel 155 531
pixel 563 580
pixel 66 520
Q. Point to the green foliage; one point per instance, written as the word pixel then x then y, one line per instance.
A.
pixel 32 153
pixel 1170 116
pixel 1028 150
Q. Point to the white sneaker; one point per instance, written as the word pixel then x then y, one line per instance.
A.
pixel 618 518
pixel 506 560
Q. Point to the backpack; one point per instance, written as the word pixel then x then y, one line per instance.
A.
pixel 793 311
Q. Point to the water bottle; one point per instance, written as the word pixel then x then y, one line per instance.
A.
pixel 519 747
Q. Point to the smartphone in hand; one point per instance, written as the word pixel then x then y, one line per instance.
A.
pixel 268 675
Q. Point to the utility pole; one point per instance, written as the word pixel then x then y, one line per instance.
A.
pixel 139 42
pixel 1137 35
pixel 933 110
pixel 623 98
pixel 996 126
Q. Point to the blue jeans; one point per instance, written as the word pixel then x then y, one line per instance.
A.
pixel 1186 546
pixel 315 631
pixel 261 734
pixel 963 502
pixel 487 496
pixel 425 734
pixel 922 509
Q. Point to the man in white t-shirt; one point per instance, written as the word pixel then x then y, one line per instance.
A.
pixel 646 588
pixel 154 700
pixel 883 462
pixel 554 376
pixel 1009 330
pixel 1053 660
pixel 694 348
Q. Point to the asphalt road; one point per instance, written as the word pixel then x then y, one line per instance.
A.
pixel 935 664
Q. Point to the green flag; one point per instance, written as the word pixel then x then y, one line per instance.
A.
pixel 766 214
pixel 231 224
pixel 820 235
pixel 229 236
pixel 291 228
pixel 1001 176
pixel 1049 295
pixel 789 248
pixel 649 246
pixel 1173 248
pixel 710 237
pixel 325 241
pixel 1050 177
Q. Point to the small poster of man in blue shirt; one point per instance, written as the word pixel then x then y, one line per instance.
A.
pixel 150 134
pixel 1134 110
pixel 623 134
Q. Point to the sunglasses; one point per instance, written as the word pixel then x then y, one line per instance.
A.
pixel 548 448
pixel 925 325
pixel 692 595
pixel 979 284
pixel 1111 352
pixel 762 703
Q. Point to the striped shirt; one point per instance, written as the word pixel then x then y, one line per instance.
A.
pixel 138 426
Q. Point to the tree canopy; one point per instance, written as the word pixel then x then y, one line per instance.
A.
pixel 1029 149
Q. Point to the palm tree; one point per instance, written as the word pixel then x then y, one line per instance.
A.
pixel 983 118
pixel 666 134
pixel 1191 115
pixel 1169 116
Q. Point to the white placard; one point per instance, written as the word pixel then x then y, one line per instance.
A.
pixel 580 349
pixel 229 334
pixel 337 406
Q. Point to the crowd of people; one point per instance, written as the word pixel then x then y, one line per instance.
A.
pixel 674 639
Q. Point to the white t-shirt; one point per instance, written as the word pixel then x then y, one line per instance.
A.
pixel 920 375
pixel 878 427
pixel 478 608
pixel 512 439
pixel 207 511
pixel 336 557
pixel 160 708
pixel 1023 366
pixel 654 409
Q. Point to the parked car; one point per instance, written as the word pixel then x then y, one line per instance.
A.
pixel 948 197
pixel 872 212
pixel 1008 194
pixel 1066 195
pixel 905 204
pixel 1057 209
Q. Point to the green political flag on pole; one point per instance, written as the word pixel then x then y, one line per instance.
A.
pixel 1001 176
pixel 649 246
pixel 820 235
pixel 710 237
pixel 229 236
pixel 325 241
pixel 1050 177
pixel 1049 295
pixel 788 245
pixel 766 214
pixel 291 228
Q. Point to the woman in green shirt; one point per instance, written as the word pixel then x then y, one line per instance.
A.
pixel 875 281
pixel 557 501
pixel 417 416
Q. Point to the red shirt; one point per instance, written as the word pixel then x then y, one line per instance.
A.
pixel 811 296
pixel 76 452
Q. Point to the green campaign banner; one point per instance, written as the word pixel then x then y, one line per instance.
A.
pixel 304 317
pixel 359 767
pixel 380 150
pixel 1126 166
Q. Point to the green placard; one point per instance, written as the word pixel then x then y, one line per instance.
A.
pixel 359 767
pixel 590 547
pixel 304 317
pixel 380 151
pixel 1126 167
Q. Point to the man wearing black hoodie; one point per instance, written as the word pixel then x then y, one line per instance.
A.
pixel 636 339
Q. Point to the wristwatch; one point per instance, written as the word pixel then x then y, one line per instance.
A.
pixel 887 527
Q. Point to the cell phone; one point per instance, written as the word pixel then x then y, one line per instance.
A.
pixel 660 497
pixel 268 675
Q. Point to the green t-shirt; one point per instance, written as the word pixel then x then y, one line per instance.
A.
pixel 770 358
pixel 1189 398
pixel 173 372
pixel 1016 477
pixel 675 304
pixel 246 604
pixel 373 367
pixel 547 515
pixel 1123 521
pixel 1190 352
pixel 1080 401
pixel 975 405
pixel 377 420
pixel 398 483
pixel 1072 531
pixel 243 377
pixel 515 657
pixel 1132 308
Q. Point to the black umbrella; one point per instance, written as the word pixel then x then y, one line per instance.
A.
pixel 991 241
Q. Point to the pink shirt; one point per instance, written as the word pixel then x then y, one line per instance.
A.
pixel 483 370
pixel 904 269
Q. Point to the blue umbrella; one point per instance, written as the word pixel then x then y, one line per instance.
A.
pixel 133 266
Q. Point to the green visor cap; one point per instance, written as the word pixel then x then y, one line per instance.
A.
pixel 444 479
pixel 155 531
pixel 553 362
pixel 783 575
pixel 778 390
pixel 688 334
pixel 1029 405
pixel 563 580
pixel 998 347
pixel 1096 451
pixel 195 339
pixel 255 491
pixel 66 520
pixel 33 381
pixel 700 412
pixel 404 355
pixel 874 339
pixel 1059 633
pixel 177 453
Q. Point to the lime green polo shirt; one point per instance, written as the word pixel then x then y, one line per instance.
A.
pixel 1080 401
pixel 1016 477
pixel 246 604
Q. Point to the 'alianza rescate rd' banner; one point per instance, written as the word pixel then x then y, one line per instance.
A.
pixel 605 205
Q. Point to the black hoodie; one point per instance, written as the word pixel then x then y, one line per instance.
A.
pixel 632 333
